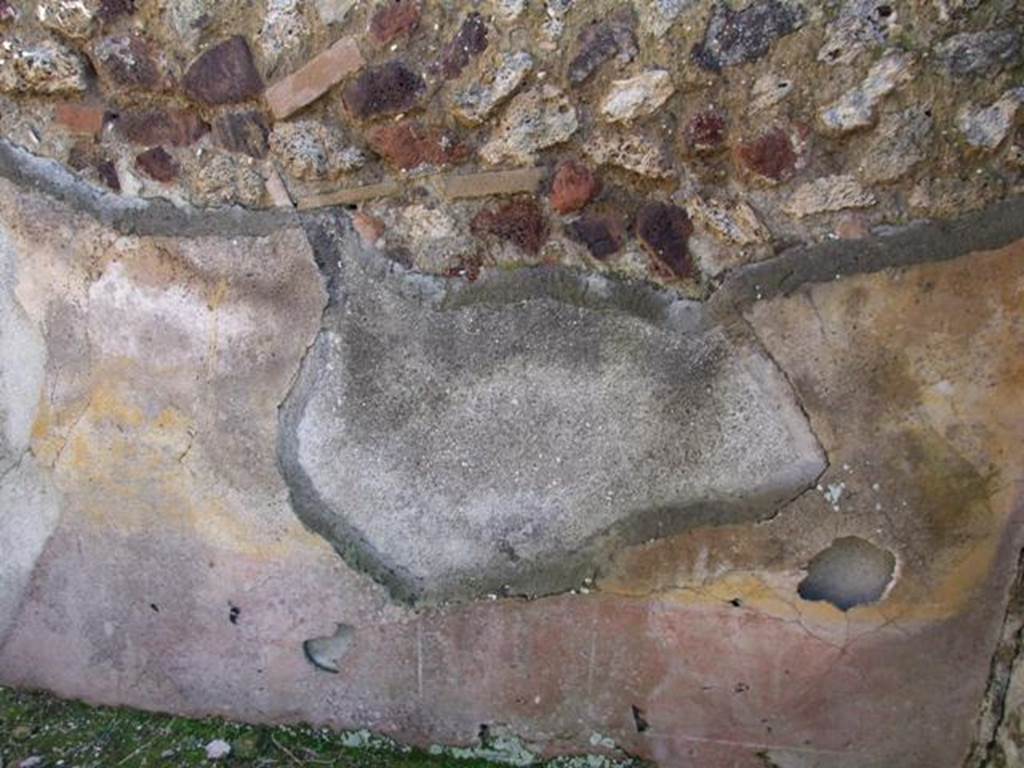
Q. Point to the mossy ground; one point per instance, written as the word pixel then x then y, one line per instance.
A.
pixel 69 733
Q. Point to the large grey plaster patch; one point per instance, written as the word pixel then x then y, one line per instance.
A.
pixel 28 502
pixel 504 436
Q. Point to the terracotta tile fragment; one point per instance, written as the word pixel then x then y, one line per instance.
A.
pixel 351 195
pixel 309 83
pixel 80 119
pixel 493 183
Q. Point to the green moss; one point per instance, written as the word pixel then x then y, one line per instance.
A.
pixel 35 724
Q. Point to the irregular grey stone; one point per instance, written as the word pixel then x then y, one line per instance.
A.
pixel 658 16
pixel 858 107
pixel 451 444
pixel 333 11
pixel 975 53
pixel 899 144
pixel 829 193
pixel 737 37
pixel 284 37
pixel 987 127
pixel 637 96
pixel 476 103
pixel 44 68
pixel 636 152
pixel 861 23
pixel 768 90
pixel 311 150
pixel 533 121
pixel 72 18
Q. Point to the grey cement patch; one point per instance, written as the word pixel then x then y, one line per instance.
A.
pixel 849 573
pixel 499 437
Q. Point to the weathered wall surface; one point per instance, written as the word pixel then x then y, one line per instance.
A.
pixel 633 378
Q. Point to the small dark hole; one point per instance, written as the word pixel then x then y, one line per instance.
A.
pixel 639 720
pixel 155 607
pixel 884 11
pixel 484 734
pixel 736 603
pixel 233 614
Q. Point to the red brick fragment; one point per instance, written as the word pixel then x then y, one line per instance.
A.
pixel 470 41
pixel 177 127
pixel 573 187
pixel 665 231
pixel 394 18
pixel 520 222
pixel 224 74
pixel 409 144
pixel 157 164
pixel 80 119
pixel 706 132
pixel 770 156
pixel 385 90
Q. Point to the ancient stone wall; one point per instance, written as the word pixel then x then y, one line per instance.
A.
pixel 640 379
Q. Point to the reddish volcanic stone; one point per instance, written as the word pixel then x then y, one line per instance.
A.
pixel 224 74
pixel 470 41
pixel 520 222
pixel 706 132
pixel 178 127
pixel 108 174
pixel 394 18
pixel 385 90
pixel 573 187
pixel 409 144
pixel 111 9
pixel 157 164
pixel 603 235
pixel 665 230
pixel 601 41
pixel 127 62
pixel 770 156
pixel 244 132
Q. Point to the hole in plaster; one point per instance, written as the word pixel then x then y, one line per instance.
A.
pixel 233 613
pixel 154 607
pixel 851 572
pixel 639 720
pixel 326 652
pixel 736 603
